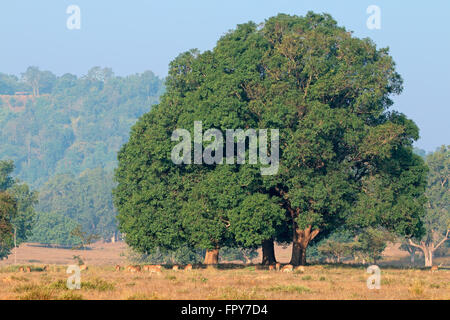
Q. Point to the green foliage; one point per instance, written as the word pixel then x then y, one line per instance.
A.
pixel 8 210
pixel 17 209
pixel 437 218
pixel 436 222
pixel 336 250
pixel 69 129
pixel 72 124
pixel 344 159
pixel 24 219
pixel 336 246
pixel 241 254
pixel 85 238
pixel 183 255
pixel 10 84
pixel 371 243
pixel 6 181
pixel 85 200
pixel 363 245
pixel 51 228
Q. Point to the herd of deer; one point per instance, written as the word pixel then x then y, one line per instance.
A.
pixel 287 268
pixel 158 268
pixel 48 268
pixel 151 268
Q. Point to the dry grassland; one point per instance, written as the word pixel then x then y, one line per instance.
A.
pixel 228 282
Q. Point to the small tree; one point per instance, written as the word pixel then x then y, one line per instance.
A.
pixel 242 254
pixel 85 237
pixel 8 209
pixel 437 218
pixel 32 77
pixel 182 255
pixel 405 246
pixel 20 219
pixel 51 228
pixel 371 243
pixel 336 250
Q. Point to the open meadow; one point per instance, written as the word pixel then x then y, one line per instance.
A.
pixel 230 281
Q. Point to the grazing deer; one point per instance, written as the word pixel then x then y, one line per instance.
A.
pixel 435 268
pixel 117 268
pixel 271 267
pixel 300 269
pixel 83 267
pixel 175 268
pixel 278 266
pixel 134 268
pixel 287 268
pixel 188 267
pixel 28 269
pixel 152 268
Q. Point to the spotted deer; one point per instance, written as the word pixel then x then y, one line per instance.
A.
pixel 278 266
pixel 271 267
pixel 175 268
pixel 83 267
pixel 287 268
pixel 435 268
pixel 299 269
pixel 21 269
pixel 133 268
pixel 28 269
pixel 188 267
pixel 153 268
pixel 117 268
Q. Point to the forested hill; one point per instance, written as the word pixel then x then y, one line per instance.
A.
pixel 56 125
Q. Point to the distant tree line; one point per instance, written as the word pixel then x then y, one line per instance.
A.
pixel 80 123
pixel 63 143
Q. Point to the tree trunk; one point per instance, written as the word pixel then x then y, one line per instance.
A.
pixel 300 241
pixel 298 257
pixel 428 254
pixel 428 248
pixel 212 256
pixel 268 252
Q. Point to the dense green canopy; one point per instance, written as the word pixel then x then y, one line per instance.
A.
pixel 16 209
pixel 85 200
pixel 344 159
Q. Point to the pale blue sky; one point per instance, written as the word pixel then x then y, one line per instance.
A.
pixel 136 35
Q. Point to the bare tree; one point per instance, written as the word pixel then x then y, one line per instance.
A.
pixel 428 248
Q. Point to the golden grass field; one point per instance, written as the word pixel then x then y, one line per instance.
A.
pixel 228 281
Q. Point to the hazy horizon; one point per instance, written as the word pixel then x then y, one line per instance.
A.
pixel 131 37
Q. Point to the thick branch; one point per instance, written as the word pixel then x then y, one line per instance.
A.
pixel 314 233
pixel 411 243
pixel 443 240
pixel 226 222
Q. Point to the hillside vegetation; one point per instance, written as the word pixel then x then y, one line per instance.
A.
pixel 73 124
pixel 60 136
